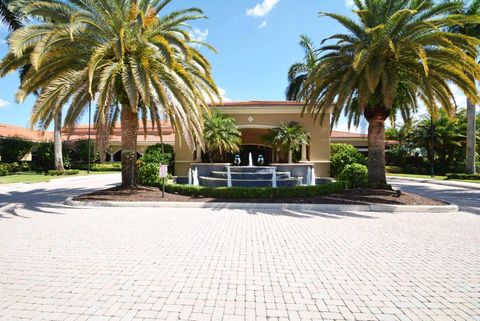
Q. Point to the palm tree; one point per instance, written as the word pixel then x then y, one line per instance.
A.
pixel 288 138
pixel 299 71
pixel 469 9
pixel 221 135
pixel 11 18
pixel 114 50
pixel 393 48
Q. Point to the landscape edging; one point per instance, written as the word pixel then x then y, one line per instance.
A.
pixel 437 181
pixel 451 208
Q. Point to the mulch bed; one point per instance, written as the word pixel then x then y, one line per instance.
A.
pixel 359 196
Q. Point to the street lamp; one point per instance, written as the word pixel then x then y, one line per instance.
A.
pixel 89 132
pixel 432 149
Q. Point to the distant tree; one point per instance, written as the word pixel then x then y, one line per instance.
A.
pixel 469 9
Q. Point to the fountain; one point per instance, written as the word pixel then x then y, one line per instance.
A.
pixel 190 180
pixel 274 178
pixel 229 177
pixel 250 160
pixel 195 177
pixel 312 181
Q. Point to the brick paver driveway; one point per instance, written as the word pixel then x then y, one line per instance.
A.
pixel 61 263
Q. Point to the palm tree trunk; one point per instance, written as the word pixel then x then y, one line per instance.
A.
pixel 376 148
pixel 129 146
pixel 57 141
pixel 471 138
pixel 102 139
pixel 290 157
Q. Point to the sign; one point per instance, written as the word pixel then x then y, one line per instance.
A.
pixel 163 171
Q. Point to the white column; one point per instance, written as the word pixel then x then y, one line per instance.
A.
pixel 304 153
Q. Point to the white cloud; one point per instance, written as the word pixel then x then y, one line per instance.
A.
pixel 4 103
pixel 223 94
pixel 262 9
pixel 350 4
pixel 263 24
pixel 199 35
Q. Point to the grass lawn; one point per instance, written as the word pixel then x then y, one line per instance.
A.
pixel 32 177
pixel 436 177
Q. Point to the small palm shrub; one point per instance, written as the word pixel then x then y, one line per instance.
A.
pixel 355 174
pixel 343 155
pixel 221 136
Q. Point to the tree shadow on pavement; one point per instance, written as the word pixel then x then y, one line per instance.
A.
pixel 308 214
pixel 40 200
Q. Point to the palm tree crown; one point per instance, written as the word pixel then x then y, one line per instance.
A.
pixel 288 137
pixel 298 72
pixel 113 50
pixel 393 50
pixel 221 135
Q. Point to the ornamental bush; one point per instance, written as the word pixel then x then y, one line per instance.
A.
pixel 463 176
pixel 68 172
pixel 14 149
pixel 149 174
pixel 355 174
pixel 343 155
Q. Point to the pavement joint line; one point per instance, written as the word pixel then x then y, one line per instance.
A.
pixel 381 208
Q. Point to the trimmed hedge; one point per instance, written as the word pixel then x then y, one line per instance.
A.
pixel 107 167
pixel 67 172
pixel 394 169
pixel 15 167
pixel 256 192
pixel 463 176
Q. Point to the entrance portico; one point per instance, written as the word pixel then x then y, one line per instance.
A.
pixel 255 119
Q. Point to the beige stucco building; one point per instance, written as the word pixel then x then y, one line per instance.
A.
pixel 255 119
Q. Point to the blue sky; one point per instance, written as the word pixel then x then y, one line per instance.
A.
pixel 256 40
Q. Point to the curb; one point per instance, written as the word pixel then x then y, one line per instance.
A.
pixel 275 206
pixel 438 182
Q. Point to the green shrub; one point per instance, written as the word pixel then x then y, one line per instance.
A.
pixel 394 169
pixel 355 174
pixel 3 172
pixel 343 155
pixel 107 167
pixel 43 157
pixel 463 176
pixel 256 192
pixel 153 154
pixel 67 172
pixel 15 167
pixel 14 149
pixel 149 174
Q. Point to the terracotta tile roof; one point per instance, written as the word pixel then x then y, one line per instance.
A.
pixel 266 103
pixel 340 134
pixel 25 133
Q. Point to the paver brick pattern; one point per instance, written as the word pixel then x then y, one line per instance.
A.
pixel 229 265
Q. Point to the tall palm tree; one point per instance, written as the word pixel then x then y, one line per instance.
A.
pixel 11 18
pixel 298 72
pixel 288 137
pixel 221 135
pixel 391 48
pixel 114 50
pixel 469 9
